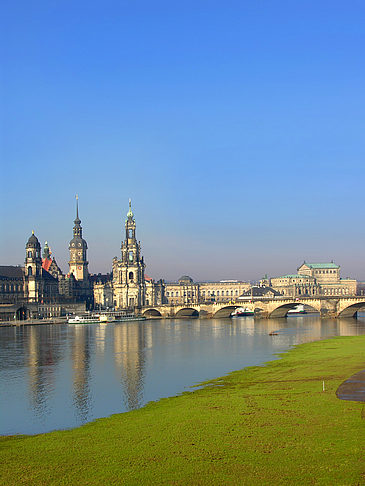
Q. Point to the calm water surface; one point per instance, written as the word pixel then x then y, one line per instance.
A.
pixel 61 376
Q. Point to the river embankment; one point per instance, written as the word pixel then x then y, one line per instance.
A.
pixel 271 424
pixel 33 322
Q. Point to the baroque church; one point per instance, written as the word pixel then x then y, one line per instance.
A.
pixel 128 286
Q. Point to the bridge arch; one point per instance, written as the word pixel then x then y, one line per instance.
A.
pixel 352 309
pixel 187 312
pixel 283 309
pixel 226 311
pixel 152 313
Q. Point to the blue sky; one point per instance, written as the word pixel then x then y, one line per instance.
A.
pixel 237 128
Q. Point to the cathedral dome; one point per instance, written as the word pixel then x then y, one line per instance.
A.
pixel 33 241
pixel 185 279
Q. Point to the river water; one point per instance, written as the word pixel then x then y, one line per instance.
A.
pixel 61 376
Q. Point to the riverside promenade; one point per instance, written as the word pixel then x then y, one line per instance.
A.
pixel 33 322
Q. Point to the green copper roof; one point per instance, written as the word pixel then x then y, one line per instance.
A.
pixel 297 275
pixel 321 265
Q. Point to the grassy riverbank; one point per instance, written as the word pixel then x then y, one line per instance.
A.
pixel 262 425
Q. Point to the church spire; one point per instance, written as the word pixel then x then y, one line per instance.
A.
pixel 77 231
pixel 130 212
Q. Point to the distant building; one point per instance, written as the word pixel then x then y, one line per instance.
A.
pixel 186 291
pixel 314 279
pixel 259 291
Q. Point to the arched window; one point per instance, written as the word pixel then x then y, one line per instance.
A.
pixel 131 276
pixel 130 256
pixel 130 233
pixel 29 254
pixel 30 271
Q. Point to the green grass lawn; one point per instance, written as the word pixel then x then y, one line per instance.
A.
pixel 269 424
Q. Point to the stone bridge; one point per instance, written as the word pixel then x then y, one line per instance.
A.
pixel 263 308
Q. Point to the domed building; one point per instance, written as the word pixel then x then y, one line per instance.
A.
pixel 39 289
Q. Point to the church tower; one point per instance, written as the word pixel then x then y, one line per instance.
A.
pixel 78 263
pixel 33 269
pixel 128 273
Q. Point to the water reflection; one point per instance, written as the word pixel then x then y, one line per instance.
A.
pixel 61 376
pixel 129 344
pixel 81 355
pixel 41 363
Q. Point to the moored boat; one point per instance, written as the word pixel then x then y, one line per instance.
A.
pixel 84 319
pixel 105 317
pixel 242 312
pixel 299 309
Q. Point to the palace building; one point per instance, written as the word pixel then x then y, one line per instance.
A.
pixel 40 289
pixel 186 291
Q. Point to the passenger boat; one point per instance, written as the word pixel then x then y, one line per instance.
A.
pixel 84 319
pixel 105 317
pixel 299 309
pixel 242 312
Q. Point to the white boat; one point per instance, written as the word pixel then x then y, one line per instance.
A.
pixel 104 318
pixel 86 319
pixel 299 309
pixel 242 312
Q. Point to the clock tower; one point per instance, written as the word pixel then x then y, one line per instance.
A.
pixel 78 263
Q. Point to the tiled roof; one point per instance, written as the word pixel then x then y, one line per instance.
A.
pixel 259 291
pixel 11 272
pixel 297 275
pixel 47 275
pixel 321 265
pixel 46 263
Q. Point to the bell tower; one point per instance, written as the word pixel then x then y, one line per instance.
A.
pixel 128 273
pixel 33 269
pixel 78 263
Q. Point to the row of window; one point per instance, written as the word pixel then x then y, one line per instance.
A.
pixel 204 293
pixel 37 254
pixel 315 291
pixel 336 291
pixel 11 288
pixel 325 271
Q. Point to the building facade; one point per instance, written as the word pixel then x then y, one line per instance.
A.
pixel 186 291
pixel 314 279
